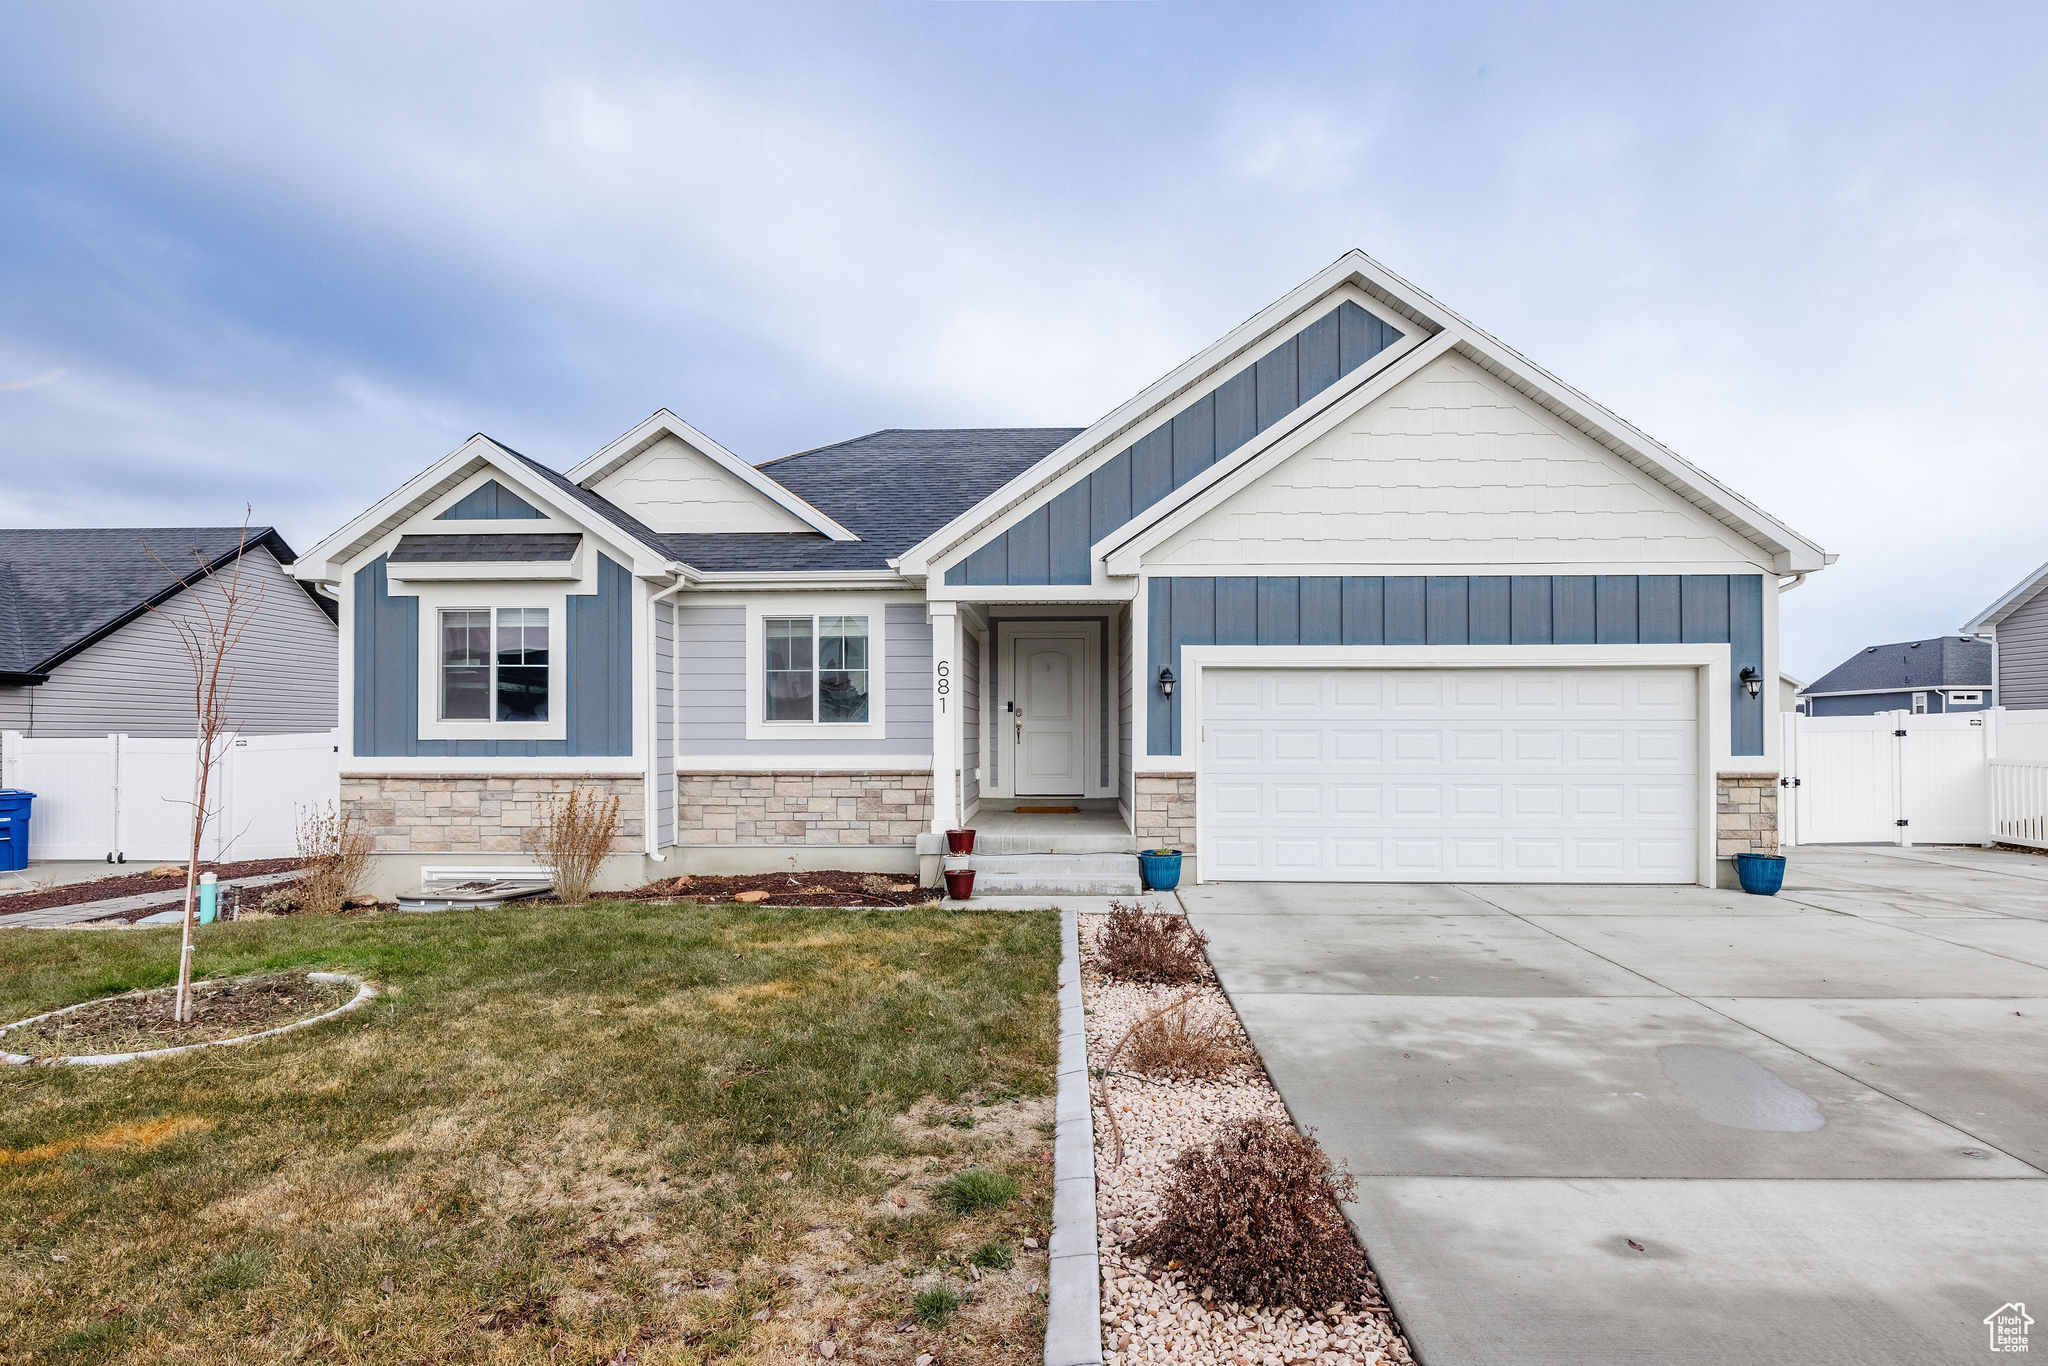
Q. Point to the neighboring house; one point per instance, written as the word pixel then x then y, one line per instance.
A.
pixel 87 646
pixel 1788 692
pixel 1948 673
pixel 2017 629
pixel 1356 593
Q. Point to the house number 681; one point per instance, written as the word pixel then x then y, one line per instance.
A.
pixel 943 682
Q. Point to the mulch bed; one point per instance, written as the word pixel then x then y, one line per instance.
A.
pixel 786 889
pixel 128 884
pixel 221 1010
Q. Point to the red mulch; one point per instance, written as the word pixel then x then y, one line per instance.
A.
pixel 128 884
pixel 786 889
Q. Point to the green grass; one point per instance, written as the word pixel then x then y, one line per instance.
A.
pixel 934 1306
pixel 552 1122
pixel 978 1189
pixel 993 1255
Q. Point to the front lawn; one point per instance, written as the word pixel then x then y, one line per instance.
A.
pixel 621 1133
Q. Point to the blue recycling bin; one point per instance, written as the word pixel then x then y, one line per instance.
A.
pixel 14 813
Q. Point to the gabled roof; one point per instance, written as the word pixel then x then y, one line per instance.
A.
pixel 2022 593
pixel 1446 330
pixel 63 589
pixel 666 424
pixel 1943 662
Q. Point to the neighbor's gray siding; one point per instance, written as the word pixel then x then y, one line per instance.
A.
pixel 970 720
pixel 713 689
pixel 598 677
pixel 1457 609
pixel 138 681
pixel 665 723
pixel 2023 656
pixel 1050 543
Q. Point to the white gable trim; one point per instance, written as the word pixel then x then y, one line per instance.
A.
pixel 2019 597
pixel 619 453
pixel 1790 552
pixel 327 561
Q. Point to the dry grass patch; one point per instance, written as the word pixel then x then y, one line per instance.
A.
pixel 632 1133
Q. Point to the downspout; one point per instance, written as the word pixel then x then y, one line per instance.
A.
pixel 650 838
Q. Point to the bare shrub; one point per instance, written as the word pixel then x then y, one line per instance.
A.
pixel 1256 1215
pixel 874 884
pixel 576 833
pixel 1184 1041
pixel 1139 946
pixel 334 851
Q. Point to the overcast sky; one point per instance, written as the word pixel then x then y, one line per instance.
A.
pixel 292 254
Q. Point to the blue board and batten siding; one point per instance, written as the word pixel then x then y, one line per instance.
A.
pixel 1458 609
pixel 490 501
pixel 597 674
pixel 712 693
pixel 1050 544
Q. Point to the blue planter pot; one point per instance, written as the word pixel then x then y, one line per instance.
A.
pixel 1160 871
pixel 1760 874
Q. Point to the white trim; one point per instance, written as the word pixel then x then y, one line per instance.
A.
pixel 1710 661
pixel 456 765
pixel 1106 594
pixel 492 596
pixel 663 423
pixel 1885 692
pixel 787 580
pixel 2021 594
pixel 803 763
pixel 814 605
pixel 491 571
pixel 1089 631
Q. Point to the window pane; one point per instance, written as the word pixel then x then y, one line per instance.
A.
pixel 465 666
pixel 788 657
pixel 522 664
pixel 843 669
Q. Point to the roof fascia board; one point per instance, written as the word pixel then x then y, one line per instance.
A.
pixel 1998 611
pixel 1217 485
pixel 786 579
pixel 1901 687
pixel 665 423
pixel 325 562
pixel 1354 266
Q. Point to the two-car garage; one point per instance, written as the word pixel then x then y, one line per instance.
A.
pixel 1335 774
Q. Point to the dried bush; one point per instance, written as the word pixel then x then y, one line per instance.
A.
pixel 1256 1215
pixel 575 834
pixel 874 884
pixel 1139 946
pixel 1183 1041
pixel 334 851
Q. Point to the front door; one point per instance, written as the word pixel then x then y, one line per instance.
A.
pixel 1048 723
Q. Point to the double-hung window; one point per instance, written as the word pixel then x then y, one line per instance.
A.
pixel 815 669
pixel 494 664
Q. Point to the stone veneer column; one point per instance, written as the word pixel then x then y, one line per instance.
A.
pixel 1165 813
pixel 1745 814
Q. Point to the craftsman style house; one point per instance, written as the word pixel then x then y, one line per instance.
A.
pixel 1356 593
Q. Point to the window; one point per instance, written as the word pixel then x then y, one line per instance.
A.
pixel 815 669
pixel 1965 699
pixel 1919 703
pixel 494 664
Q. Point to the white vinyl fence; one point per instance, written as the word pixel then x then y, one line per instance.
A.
pixel 120 797
pixel 1896 778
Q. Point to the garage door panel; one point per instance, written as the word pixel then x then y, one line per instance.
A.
pixel 1483 775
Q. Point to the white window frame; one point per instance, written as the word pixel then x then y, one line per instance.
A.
pixel 1966 699
pixel 479 597
pixel 814 606
pixel 1919 704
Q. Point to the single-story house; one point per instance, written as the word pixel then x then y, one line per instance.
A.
pixel 87 645
pixel 1925 677
pixel 1355 593
pixel 2017 628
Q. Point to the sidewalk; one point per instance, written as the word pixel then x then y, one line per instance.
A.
pixel 85 912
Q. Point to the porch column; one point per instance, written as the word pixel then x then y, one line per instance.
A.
pixel 946 724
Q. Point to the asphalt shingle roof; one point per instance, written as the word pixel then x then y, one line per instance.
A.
pixel 468 547
pixel 1943 662
pixel 61 588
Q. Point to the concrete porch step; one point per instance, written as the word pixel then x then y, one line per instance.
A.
pixel 1053 839
pixel 1094 874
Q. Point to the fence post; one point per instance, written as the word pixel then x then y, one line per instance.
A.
pixel 10 758
pixel 1990 719
pixel 117 754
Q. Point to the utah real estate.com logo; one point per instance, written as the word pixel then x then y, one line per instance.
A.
pixel 2008 1325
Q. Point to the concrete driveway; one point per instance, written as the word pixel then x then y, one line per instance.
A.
pixel 1664 1124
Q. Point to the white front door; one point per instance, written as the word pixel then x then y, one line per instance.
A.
pixel 1048 726
pixel 1449 775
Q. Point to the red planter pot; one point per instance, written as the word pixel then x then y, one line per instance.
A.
pixel 959 883
pixel 959 841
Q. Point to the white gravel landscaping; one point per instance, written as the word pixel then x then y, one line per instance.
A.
pixel 1153 1315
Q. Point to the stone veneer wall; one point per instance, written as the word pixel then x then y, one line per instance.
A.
pixel 476 813
pixel 879 808
pixel 1746 813
pixel 1165 814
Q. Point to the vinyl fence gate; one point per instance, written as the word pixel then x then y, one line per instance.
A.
pixel 1897 778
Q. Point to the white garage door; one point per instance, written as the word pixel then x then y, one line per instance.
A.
pixel 1468 775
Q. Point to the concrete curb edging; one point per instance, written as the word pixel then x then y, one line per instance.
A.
pixel 365 993
pixel 1073 1311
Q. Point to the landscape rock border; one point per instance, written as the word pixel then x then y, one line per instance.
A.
pixel 365 993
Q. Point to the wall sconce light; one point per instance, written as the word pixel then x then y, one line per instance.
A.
pixel 1752 681
pixel 1166 682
